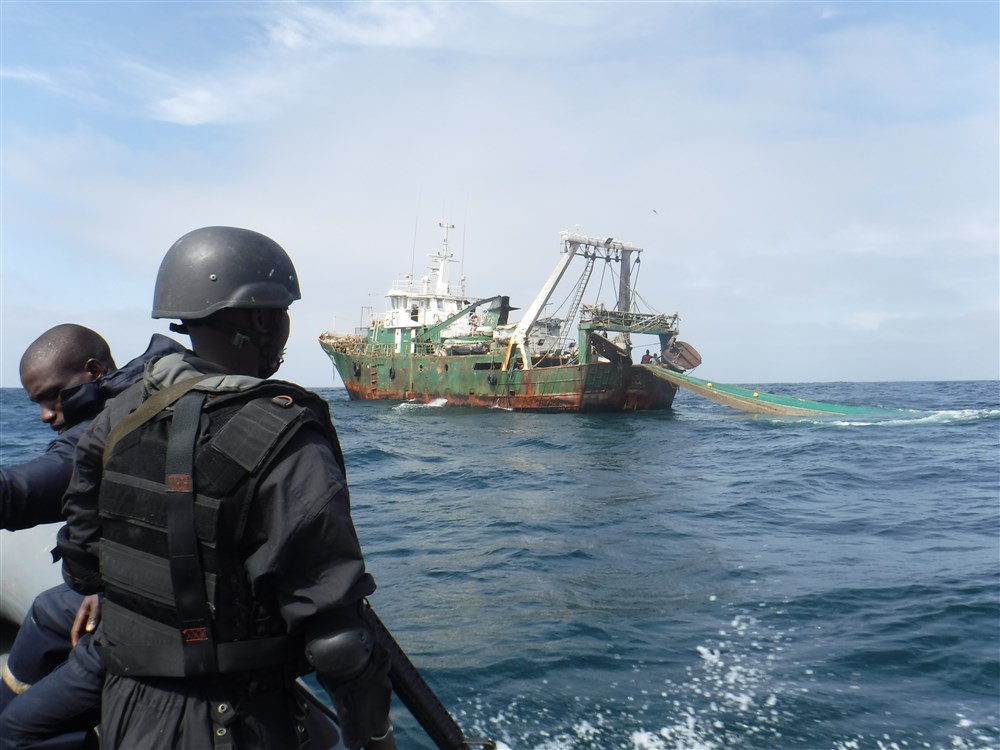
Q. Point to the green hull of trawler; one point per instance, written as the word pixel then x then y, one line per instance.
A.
pixel 480 380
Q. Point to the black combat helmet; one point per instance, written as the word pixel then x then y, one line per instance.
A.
pixel 213 268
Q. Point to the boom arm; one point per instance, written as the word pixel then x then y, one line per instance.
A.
pixel 428 333
pixel 608 248
pixel 520 335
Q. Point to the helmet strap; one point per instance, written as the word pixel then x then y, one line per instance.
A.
pixel 244 333
pixel 240 340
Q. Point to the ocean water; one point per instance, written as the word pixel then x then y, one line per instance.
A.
pixel 698 579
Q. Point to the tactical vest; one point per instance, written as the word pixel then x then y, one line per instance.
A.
pixel 174 500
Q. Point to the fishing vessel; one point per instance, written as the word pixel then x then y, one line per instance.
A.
pixel 434 343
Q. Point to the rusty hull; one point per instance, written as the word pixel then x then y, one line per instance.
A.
pixel 479 381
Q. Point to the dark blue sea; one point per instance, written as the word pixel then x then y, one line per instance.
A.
pixel 699 579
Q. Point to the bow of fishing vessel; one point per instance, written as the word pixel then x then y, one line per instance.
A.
pixel 436 343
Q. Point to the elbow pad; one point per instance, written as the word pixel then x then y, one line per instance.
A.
pixel 341 654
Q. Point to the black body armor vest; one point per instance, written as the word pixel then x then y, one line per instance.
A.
pixel 177 602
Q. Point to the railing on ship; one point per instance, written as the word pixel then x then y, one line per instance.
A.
pixel 359 343
pixel 615 320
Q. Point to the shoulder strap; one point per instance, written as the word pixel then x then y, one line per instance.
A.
pixel 256 431
pixel 147 410
pixel 190 598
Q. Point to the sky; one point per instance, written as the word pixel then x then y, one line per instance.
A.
pixel 815 184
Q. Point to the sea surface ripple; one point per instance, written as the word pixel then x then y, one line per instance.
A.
pixel 700 579
pixel 695 579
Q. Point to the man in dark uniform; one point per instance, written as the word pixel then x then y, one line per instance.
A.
pixel 211 508
pixel 70 373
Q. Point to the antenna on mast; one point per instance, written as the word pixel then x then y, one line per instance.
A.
pixel 413 250
pixel 442 283
pixel 461 266
pixel 445 227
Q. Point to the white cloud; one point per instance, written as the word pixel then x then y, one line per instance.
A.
pixel 799 198
pixel 871 321
pixel 192 107
pixel 299 26
pixel 26 75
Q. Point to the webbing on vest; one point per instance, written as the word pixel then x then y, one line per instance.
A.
pixel 182 542
pixel 167 660
pixel 147 410
pixel 259 429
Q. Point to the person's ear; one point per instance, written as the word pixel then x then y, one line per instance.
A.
pixel 95 368
pixel 261 320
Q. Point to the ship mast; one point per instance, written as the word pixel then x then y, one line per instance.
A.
pixel 442 275
pixel 625 288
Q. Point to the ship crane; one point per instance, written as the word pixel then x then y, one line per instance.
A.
pixel 606 248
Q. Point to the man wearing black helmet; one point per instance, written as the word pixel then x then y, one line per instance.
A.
pixel 211 508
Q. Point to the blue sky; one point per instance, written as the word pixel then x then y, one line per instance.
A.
pixel 816 184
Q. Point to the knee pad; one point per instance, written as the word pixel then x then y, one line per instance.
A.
pixel 341 654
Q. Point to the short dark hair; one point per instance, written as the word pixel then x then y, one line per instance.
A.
pixel 72 344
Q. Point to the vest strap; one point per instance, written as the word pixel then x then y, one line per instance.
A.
pixel 192 645
pixel 167 661
pixel 190 596
pixel 147 410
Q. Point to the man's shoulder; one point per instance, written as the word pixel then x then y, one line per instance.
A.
pixel 278 390
pixel 287 403
pixel 131 373
pixel 69 437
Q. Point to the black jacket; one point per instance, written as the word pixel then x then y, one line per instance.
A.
pixel 299 554
pixel 31 493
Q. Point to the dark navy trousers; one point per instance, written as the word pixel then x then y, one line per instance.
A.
pixel 63 703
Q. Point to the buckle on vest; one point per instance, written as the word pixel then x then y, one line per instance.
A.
pixel 194 635
pixel 283 401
